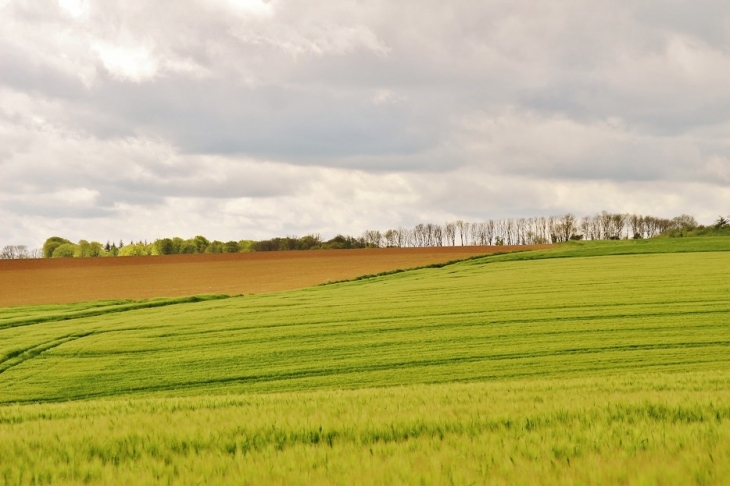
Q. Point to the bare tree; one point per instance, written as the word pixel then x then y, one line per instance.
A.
pixel 429 234
pixel 636 222
pixel 651 226
pixel 463 231
pixel 511 231
pixel 567 226
pixel 500 232
pixel 618 221
pixel 404 237
pixel 554 230
pixel 520 228
pixel 450 233
pixel 663 225
pixel 16 252
pixel 438 235
pixel 373 238
pixel 391 238
pixel 585 227
pixel 684 222
pixel 479 233
pixel 419 235
pixel 489 230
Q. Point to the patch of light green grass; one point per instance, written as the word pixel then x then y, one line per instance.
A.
pixel 640 428
pixel 619 247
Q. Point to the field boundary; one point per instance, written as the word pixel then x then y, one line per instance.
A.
pixel 422 267
pixel 135 305
pixel 75 280
pixel 569 250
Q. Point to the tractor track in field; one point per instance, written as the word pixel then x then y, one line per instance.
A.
pixel 19 356
pixel 116 309
pixel 389 366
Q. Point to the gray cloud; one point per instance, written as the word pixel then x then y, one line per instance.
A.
pixel 290 115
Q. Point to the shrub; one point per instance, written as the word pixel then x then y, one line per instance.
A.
pixel 51 244
pixel 66 250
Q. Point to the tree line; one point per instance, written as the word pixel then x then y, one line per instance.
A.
pixel 57 247
pixel 509 231
pixel 531 231
pixel 19 252
pixel 543 230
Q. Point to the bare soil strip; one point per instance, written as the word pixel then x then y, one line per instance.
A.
pixel 60 281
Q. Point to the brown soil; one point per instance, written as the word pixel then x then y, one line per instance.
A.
pixel 49 281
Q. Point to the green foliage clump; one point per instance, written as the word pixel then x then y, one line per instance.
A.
pixel 135 249
pixel 246 245
pixel 65 250
pixel 51 244
pixel 57 247
pixel 231 247
pixel 187 248
pixel 164 246
pixel 200 244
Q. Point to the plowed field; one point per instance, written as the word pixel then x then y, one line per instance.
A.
pixel 58 281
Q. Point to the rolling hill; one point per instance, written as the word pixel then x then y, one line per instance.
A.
pixel 588 363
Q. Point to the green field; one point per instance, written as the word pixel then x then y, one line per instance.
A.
pixel 593 363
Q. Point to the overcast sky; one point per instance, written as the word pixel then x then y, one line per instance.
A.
pixel 249 119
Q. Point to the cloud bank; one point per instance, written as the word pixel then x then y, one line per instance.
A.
pixel 251 119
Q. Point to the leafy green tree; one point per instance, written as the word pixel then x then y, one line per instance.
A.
pixel 246 245
pixel 339 242
pixel 309 242
pixel 176 244
pixel 51 244
pixel 164 246
pixel 95 249
pixel 202 243
pixel 83 249
pixel 188 247
pixel 215 247
pixel 133 249
pixel 230 247
pixel 66 250
pixel 288 243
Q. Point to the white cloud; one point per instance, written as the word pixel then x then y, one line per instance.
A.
pixel 256 7
pixel 128 63
pixel 75 8
pixel 246 118
pixel 80 196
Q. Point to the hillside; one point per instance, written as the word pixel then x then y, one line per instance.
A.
pixel 597 363
pixel 66 280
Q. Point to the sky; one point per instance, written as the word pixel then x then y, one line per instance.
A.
pixel 250 119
